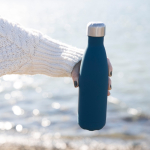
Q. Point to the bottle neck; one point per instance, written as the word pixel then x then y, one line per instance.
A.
pixel 95 41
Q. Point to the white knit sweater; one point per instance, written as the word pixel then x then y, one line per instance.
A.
pixel 27 51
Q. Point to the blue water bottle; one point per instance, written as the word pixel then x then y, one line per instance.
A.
pixel 93 80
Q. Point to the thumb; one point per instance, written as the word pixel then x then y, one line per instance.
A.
pixel 75 74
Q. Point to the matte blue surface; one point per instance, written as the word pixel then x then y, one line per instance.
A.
pixel 93 86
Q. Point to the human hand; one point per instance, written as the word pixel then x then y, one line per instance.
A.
pixel 75 75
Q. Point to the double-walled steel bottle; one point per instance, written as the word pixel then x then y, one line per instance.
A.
pixel 93 80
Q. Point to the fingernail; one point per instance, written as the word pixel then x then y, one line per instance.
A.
pixel 75 83
pixel 110 87
pixel 111 73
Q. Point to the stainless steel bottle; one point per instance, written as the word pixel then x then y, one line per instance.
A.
pixel 93 80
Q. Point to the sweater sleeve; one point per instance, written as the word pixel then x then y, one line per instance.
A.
pixel 27 51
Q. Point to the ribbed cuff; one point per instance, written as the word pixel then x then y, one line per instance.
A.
pixel 54 58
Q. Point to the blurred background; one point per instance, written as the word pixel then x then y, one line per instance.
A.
pixel 40 112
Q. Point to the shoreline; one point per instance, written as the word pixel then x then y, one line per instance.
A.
pixel 12 146
pixel 126 142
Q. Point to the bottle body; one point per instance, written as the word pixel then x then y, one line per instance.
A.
pixel 93 86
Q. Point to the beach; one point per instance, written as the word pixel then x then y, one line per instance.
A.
pixel 9 146
pixel 96 142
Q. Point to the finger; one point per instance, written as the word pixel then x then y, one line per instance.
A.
pixel 75 74
pixel 110 69
pixel 108 93
pixel 109 84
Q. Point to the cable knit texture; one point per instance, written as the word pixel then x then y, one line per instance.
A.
pixel 27 51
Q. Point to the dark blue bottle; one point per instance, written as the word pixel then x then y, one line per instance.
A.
pixel 93 80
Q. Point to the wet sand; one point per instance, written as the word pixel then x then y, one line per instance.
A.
pixel 9 146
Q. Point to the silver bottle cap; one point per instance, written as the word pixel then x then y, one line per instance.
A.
pixel 96 29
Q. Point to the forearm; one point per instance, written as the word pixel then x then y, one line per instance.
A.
pixel 26 51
